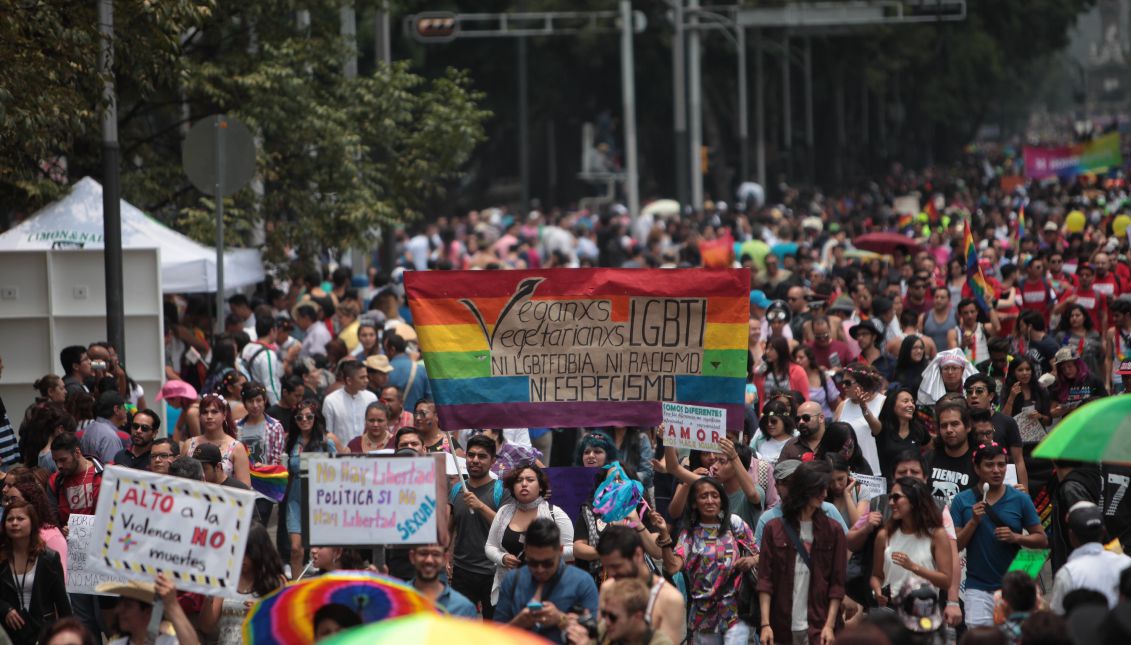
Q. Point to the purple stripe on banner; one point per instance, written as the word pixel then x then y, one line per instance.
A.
pixel 568 415
pixel 570 487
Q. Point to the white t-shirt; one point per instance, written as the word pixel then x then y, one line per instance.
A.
pixel 799 621
pixel 854 416
pixel 345 414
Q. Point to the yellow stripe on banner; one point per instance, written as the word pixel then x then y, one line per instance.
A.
pixel 451 338
pixel 727 336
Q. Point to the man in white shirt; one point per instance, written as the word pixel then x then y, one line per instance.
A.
pixel 344 409
pixel 1089 565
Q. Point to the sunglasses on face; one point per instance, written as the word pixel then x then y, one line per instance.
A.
pixel 610 617
pixel 805 418
pixel 141 426
pixel 895 497
pixel 304 417
pixel 540 564
pixel 848 383
pixel 977 390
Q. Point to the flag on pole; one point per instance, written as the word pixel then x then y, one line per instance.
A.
pixel 981 289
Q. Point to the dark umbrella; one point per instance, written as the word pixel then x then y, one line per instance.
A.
pixel 886 243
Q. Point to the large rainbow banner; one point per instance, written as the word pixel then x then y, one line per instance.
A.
pixel 580 347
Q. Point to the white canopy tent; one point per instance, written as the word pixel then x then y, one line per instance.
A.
pixel 186 266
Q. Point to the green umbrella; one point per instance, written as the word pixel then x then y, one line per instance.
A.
pixel 1098 432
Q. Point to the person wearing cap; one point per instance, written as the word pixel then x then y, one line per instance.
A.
pixel 783 471
pixel 994 523
pixel 134 611
pixel 210 459
pixel 1074 383
pixel 103 437
pixel 1090 566
pixel 377 370
pixel 868 335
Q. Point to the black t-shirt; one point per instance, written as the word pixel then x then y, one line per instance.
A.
pixel 281 414
pixel 1006 432
pixel 472 528
pixel 950 476
pixel 127 459
pixel 1043 351
pixel 1117 506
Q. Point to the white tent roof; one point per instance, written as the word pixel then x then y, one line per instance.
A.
pixel 76 222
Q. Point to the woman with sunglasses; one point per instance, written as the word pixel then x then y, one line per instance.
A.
pixel 306 433
pixel 218 428
pixel 861 408
pixel 912 543
pixel 777 428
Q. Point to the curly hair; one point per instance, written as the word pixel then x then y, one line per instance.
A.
pixel 33 493
pixel 511 479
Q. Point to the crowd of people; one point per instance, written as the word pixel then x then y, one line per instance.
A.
pixel 861 365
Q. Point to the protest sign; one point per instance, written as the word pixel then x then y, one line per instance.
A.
pixel 692 426
pixel 374 500
pixel 194 532
pixel 580 347
pixel 80 550
pixel 571 487
pixel 870 485
pixel 1098 154
pixel 1031 561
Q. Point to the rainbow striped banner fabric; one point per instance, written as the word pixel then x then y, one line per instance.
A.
pixel 581 347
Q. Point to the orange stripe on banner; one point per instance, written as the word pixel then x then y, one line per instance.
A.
pixel 450 311
pixel 728 310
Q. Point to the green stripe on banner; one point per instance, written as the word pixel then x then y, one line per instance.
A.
pixel 724 362
pixel 709 389
pixel 494 389
pixel 444 365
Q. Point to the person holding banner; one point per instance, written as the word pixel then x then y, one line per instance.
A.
pixel 218 429
pixel 306 434
pixel 32 590
pixel 530 491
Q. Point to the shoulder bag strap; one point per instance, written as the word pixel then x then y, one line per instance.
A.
pixel 411 379
pixel 797 543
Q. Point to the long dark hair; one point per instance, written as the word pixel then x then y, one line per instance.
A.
pixel 780 367
pixel 266 565
pixel 889 422
pixel 35 495
pixel 904 363
pixel 34 541
pixel 810 480
pixel 317 431
pixel 1065 326
pixel 223 354
pixel 1041 399
pixel 808 351
pixel 629 454
pixel 38 427
pixel 836 439
pixel 691 517
pixel 925 514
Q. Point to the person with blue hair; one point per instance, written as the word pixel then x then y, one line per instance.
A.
pixel 595 449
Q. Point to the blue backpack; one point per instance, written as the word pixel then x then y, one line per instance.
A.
pixel 498 492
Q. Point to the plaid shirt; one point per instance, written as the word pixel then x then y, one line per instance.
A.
pixel 274 440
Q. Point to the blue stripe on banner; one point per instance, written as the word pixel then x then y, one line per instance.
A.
pixel 491 389
pixel 709 389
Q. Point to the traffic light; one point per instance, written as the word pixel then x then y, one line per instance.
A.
pixel 435 27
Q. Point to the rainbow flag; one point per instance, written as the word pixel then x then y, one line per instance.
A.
pixel 269 481
pixel 983 291
pixel 581 347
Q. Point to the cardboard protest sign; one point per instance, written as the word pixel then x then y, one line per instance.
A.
pixel 1031 561
pixel 80 551
pixel 870 485
pixel 580 347
pixel 693 426
pixel 194 532
pixel 374 500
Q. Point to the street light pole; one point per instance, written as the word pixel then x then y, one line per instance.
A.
pixel 111 189
pixel 760 108
pixel 743 118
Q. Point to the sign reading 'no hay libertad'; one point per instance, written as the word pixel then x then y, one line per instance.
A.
pixel 580 347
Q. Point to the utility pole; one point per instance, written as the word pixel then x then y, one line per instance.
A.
pixel 760 108
pixel 384 51
pixel 695 111
pixel 523 127
pixel 743 109
pixel 679 106
pixel 111 189
pixel 628 90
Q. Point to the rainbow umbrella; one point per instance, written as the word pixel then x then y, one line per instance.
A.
pixel 286 617
pixel 1096 432
pixel 426 629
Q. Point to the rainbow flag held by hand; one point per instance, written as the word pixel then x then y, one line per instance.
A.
pixel 983 291
pixel 269 481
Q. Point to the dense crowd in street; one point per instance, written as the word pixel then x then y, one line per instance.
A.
pixel 866 360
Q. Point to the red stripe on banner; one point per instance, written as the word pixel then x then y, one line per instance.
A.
pixel 579 283
pixel 728 310
pixel 572 414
